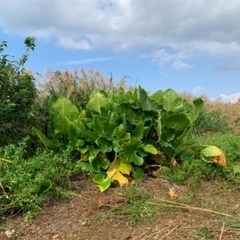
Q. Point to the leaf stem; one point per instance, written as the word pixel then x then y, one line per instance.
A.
pixel 184 206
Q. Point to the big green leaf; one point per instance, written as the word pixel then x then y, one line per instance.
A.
pixel 97 101
pixel 138 131
pixel 133 152
pixel 103 145
pixel 103 181
pixel 178 122
pixel 46 142
pixel 157 97
pixel 171 101
pixel 146 103
pixel 99 125
pixel 198 104
pixel 63 112
pixel 88 167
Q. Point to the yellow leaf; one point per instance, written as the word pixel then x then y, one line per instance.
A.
pixel 120 178
pixel 124 167
pixel 172 193
pixel 116 170
pixel 113 168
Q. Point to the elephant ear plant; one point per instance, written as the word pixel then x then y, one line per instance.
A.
pixel 118 135
pixel 177 117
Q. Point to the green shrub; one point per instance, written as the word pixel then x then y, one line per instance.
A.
pixel 17 95
pixel 26 181
pixel 209 122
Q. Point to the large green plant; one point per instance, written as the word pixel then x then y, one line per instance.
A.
pixel 117 134
pixel 17 94
pixel 177 118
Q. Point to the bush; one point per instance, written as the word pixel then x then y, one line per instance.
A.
pixel 210 122
pixel 17 95
pixel 26 181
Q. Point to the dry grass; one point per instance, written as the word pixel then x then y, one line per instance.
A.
pixel 77 85
pixel 85 80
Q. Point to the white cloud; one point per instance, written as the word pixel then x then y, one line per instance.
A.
pixel 175 60
pixel 214 47
pixel 233 98
pixel 208 27
pixel 81 44
pixel 88 60
pixel 180 65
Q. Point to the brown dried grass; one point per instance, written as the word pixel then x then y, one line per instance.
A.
pixel 75 84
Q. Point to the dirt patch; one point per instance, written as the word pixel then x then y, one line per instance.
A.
pixel 137 212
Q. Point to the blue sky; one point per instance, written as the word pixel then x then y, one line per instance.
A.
pixel 187 45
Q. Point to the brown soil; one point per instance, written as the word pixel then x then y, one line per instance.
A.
pixel 126 214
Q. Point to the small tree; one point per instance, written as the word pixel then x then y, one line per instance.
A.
pixel 17 94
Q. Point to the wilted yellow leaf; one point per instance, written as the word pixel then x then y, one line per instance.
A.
pixel 213 154
pixel 120 178
pixel 221 160
pixel 113 168
pixel 116 170
pixel 172 193
pixel 125 168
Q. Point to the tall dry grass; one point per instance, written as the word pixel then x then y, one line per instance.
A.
pixel 77 85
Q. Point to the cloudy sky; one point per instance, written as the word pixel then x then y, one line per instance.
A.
pixel 187 45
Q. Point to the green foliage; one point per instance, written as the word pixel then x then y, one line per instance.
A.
pixel 26 181
pixel 177 118
pixel 209 122
pixel 62 114
pixel 17 95
pixel 118 133
pixel 193 169
pixel 228 142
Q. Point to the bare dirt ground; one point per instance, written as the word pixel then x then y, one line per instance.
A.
pixel 208 210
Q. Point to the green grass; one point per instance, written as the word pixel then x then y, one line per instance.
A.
pixel 228 142
pixel 25 182
pixel 193 168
